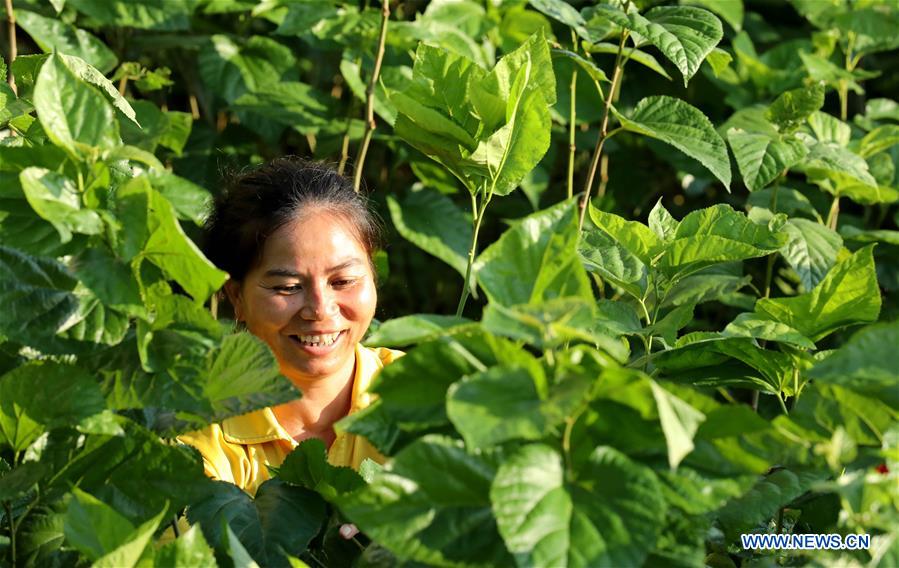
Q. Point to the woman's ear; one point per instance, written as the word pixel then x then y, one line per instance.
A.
pixel 232 291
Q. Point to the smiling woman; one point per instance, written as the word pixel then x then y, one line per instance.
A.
pixel 297 242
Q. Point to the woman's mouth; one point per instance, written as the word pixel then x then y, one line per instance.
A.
pixel 318 343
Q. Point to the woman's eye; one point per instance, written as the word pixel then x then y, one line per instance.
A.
pixel 288 288
pixel 343 283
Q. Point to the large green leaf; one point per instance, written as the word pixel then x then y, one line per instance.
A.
pixel 607 516
pixel 730 10
pixel 418 328
pixel 685 35
pixel 168 15
pixel 93 321
pixel 762 501
pixel 191 201
pixel 95 528
pixel 74 115
pixel 37 397
pixel 434 223
pixel 431 504
pixel 634 236
pixel 55 198
pixel 564 12
pixel 86 72
pixel 535 260
pixel 281 519
pixel 683 126
pixel 601 254
pixel 243 375
pixel 189 549
pixel 763 158
pixel 847 295
pixel 751 325
pixel 811 250
pixel 155 234
pixel 679 423
pixel 497 405
pixel 792 108
pixel 868 362
pixel 231 67
pixel 878 140
pixel 307 466
pixel 290 103
pixel 36 294
pixel 713 235
pixel 54 35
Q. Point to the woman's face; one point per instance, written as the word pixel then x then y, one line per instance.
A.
pixel 311 296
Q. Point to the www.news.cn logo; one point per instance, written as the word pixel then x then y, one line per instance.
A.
pixel 805 541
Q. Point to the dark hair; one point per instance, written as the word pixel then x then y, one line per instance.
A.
pixel 256 202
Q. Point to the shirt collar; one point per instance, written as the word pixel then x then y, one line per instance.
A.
pixel 261 425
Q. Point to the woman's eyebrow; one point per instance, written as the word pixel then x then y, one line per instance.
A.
pixel 288 273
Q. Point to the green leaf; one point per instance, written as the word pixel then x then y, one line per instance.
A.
pixel 679 423
pixel 93 321
pixel 563 12
pixel 53 35
pixel 307 466
pixel 155 234
pixel 607 517
pixel 93 527
pixel 290 103
pixel 74 115
pixel 37 295
pixel 634 236
pixel 784 200
pixel 231 67
pixel 683 126
pixel 189 549
pixel 243 375
pixel 828 128
pixel 716 234
pixel 762 501
pixel 601 254
pixel 763 158
pixel 55 198
pixel 661 222
pixel 868 362
pixel 282 519
pixel 550 324
pixel 873 28
pixel 750 325
pixel 878 140
pixel 792 108
pixel 535 260
pixel 41 396
pixel 152 127
pixel 86 72
pixel 811 250
pixel 170 15
pixel 431 504
pixel 684 35
pixel 418 328
pixel 730 10
pixel 131 552
pixel 191 201
pixel 847 295
pixel 498 405
pixel 719 282
pixel 513 102
pixel 824 408
pixel 431 221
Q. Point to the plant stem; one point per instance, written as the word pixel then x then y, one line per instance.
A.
pixel 779 522
pixel 478 213
pixel 370 124
pixel 783 405
pixel 571 123
pixel 604 129
pixel 834 213
pixel 13 46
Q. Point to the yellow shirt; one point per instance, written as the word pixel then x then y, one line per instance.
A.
pixel 239 449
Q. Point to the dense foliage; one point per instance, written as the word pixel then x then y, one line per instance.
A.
pixel 675 225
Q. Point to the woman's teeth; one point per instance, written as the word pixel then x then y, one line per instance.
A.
pixel 318 340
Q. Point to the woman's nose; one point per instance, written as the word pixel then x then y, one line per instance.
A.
pixel 319 304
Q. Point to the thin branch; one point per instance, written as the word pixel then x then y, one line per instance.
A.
pixel 478 213
pixel 572 119
pixel 13 45
pixel 370 124
pixel 604 129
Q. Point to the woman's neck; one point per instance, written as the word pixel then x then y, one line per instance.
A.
pixel 325 400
